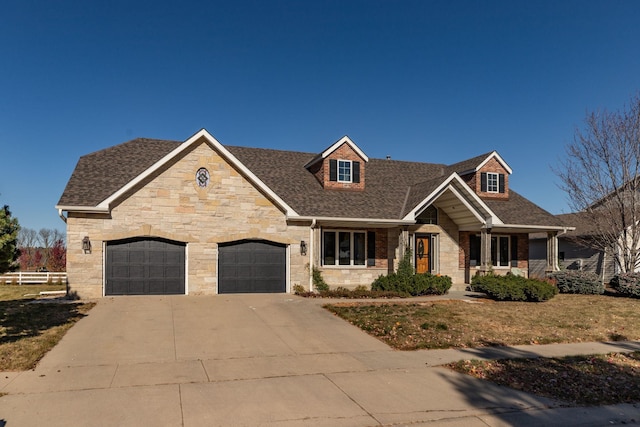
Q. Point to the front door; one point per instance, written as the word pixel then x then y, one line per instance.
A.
pixel 423 254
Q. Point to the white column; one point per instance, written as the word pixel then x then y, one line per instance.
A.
pixel 552 251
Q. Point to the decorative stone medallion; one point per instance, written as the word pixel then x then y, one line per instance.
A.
pixel 202 177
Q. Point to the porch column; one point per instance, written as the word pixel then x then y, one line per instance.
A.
pixel 404 242
pixel 552 252
pixel 485 250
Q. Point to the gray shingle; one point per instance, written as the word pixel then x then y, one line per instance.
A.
pixel 392 187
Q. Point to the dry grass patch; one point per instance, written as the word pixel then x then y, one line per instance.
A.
pixel 583 380
pixel 29 330
pixel 445 324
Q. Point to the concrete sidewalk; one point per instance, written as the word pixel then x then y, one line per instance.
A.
pixel 267 360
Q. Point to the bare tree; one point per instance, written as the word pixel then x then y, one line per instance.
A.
pixel 600 177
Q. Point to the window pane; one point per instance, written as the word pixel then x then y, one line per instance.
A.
pixel 371 248
pixel 358 248
pixel 494 251
pixel 474 250
pixel 344 245
pixel 344 170
pixel 504 251
pixel 329 255
pixel 492 182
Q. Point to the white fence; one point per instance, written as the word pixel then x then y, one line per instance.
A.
pixel 32 277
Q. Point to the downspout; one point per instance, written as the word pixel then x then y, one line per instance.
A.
pixel 61 215
pixel 311 246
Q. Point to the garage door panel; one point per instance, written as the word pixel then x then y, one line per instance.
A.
pixel 252 267
pixel 144 266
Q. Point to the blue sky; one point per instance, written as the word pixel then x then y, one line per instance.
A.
pixel 433 81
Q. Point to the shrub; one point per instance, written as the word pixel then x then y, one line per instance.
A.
pixel 429 284
pixel 627 284
pixel 513 288
pixel 298 289
pixel 393 282
pixel 578 282
pixel 415 285
pixel 405 268
pixel 318 282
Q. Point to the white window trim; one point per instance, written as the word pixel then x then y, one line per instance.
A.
pixel 350 162
pixel 351 249
pixel 497 182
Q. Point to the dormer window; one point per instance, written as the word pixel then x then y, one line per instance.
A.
pixel 491 182
pixel 346 171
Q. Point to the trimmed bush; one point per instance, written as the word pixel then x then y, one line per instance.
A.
pixel 429 284
pixel 513 288
pixel 416 285
pixel 393 282
pixel 627 284
pixel 578 282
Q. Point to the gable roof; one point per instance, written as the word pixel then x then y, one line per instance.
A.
pixel 476 163
pixel 394 188
pixel 326 153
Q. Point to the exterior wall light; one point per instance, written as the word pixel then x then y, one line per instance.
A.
pixel 303 247
pixel 86 245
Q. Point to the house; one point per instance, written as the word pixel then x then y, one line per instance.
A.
pixel 199 217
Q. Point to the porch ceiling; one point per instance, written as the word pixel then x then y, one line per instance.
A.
pixel 460 211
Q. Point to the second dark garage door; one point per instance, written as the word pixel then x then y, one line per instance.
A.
pixel 252 266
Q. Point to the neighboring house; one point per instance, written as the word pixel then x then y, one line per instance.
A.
pixel 574 251
pixel 198 217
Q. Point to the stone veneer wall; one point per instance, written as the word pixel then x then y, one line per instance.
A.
pixel 171 205
pixel 448 251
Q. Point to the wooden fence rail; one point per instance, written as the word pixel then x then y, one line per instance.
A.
pixel 32 277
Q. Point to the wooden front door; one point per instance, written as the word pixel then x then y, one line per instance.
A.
pixel 423 254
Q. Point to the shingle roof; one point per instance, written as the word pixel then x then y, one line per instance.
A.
pixel 582 221
pixel 386 186
pixel 468 165
pixel 518 210
pixel 392 187
pixel 100 174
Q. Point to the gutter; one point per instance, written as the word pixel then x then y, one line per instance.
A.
pixel 315 219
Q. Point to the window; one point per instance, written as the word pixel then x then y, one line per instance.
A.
pixel 492 182
pixel 500 251
pixel 344 171
pixel 429 216
pixel 349 246
pixel 503 250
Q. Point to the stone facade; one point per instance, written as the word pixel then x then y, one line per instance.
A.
pixel 172 206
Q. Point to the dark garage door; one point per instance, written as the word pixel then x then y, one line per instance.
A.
pixel 252 267
pixel 145 267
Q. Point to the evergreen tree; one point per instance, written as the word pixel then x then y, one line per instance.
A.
pixel 9 252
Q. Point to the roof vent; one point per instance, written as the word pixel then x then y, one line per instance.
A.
pixel 388 157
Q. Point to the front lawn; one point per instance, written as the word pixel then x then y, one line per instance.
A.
pixel 29 330
pixel 583 380
pixel 483 322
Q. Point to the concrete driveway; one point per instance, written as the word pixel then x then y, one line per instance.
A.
pixel 250 360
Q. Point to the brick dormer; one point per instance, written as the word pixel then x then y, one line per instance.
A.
pixel 490 179
pixel 341 166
